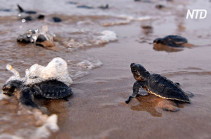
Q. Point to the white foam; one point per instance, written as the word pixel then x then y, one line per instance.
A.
pixel 45 130
pixel 132 18
pixel 86 64
pixel 107 36
pixel 143 18
pixel 8 136
pixel 2 96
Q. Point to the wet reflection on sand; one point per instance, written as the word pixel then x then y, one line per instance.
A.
pixel 155 105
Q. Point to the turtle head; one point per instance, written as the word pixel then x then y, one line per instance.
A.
pixel 139 72
pixel 10 87
pixel 157 41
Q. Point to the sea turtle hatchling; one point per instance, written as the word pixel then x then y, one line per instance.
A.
pixel 28 15
pixel 49 89
pixel 157 85
pixel 40 37
pixel 171 40
pixel 37 84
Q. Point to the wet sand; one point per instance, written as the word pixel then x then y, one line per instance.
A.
pixel 97 109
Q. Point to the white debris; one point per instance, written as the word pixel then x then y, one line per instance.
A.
pixel 56 69
pixel 107 36
pixel 15 76
pixel 15 72
pixel 34 71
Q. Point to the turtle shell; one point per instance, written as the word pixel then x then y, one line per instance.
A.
pixel 52 89
pixel 175 39
pixel 164 88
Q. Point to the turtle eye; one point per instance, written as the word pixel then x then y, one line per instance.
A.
pixel 134 70
pixel 157 41
pixel 8 90
pixel 4 88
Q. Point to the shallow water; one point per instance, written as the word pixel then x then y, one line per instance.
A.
pixel 97 109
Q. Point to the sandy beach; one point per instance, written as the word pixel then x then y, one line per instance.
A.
pixel 97 110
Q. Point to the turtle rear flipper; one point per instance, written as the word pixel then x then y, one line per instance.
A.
pixel 167 105
pixel 174 94
pixel 26 98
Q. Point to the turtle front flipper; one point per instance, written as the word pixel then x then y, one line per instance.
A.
pixel 189 94
pixel 20 8
pixel 27 97
pixel 136 87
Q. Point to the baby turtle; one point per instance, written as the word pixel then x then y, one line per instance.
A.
pixel 104 7
pixel 49 89
pixel 159 6
pixel 171 40
pixel 40 37
pixel 156 84
pixel 50 82
pixel 56 19
pixel 85 7
pixel 28 15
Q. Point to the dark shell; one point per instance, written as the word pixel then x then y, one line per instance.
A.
pixel 85 7
pixel 56 19
pixel 176 39
pixel 52 89
pixel 5 10
pixel 104 7
pixel 41 38
pixel 165 88
pixel 171 40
